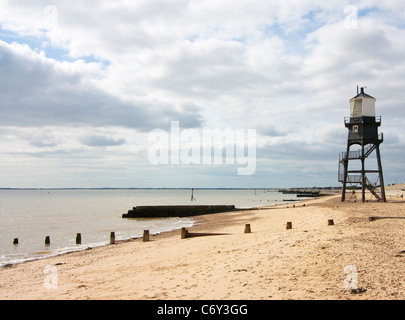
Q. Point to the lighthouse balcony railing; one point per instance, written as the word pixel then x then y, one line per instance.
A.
pixel 368 149
pixel 352 155
pixel 349 120
pixel 350 178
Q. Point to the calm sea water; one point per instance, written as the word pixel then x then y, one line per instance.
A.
pixel 31 215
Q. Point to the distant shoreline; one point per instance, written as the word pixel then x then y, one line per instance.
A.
pixel 113 188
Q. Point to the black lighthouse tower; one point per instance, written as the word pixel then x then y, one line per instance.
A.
pixel 363 131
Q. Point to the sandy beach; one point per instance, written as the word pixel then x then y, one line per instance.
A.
pixel 353 259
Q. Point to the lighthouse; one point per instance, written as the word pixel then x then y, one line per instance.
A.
pixel 363 132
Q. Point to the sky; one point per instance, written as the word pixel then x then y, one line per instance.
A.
pixel 123 93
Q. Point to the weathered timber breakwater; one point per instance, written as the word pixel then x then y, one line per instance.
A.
pixel 175 211
pixel 309 192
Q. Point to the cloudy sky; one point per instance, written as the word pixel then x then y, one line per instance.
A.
pixel 85 84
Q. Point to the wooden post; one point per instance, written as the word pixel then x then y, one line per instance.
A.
pixel 145 235
pixel 247 228
pixel 184 233
pixel 15 241
pixel 112 237
pixel 330 222
pixel 289 225
pixel 47 241
pixel 79 238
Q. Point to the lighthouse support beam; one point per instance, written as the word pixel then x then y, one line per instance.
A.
pixel 380 173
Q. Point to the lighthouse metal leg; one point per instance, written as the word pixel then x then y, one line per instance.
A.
pixel 363 176
pixel 380 174
pixel 345 168
pixel 344 182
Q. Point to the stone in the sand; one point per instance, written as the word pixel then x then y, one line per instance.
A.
pixel 357 290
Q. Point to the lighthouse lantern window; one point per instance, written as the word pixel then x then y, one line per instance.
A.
pixel 357 108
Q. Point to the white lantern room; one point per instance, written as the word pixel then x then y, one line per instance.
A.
pixel 362 105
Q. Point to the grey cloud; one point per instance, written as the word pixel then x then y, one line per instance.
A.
pixel 33 92
pixel 41 144
pixel 271 131
pixel 102 141
pixel 298 150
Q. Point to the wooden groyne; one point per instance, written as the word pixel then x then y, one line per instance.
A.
pixel 175 211
pixel 301 191
pixel 309 192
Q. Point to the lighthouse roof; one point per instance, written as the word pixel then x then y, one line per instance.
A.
pixel 362 94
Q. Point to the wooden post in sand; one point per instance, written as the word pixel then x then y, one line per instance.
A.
pixel 145 235
pixel 15 241
pixel 330 222
pixel 47 241
pixel 247 228
pixel 112 237
pixel 289 225
pixel 184 233
pixel 79 238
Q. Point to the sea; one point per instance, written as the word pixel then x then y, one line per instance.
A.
pixel 30 215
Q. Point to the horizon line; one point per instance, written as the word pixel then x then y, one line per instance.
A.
pixel 160 188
